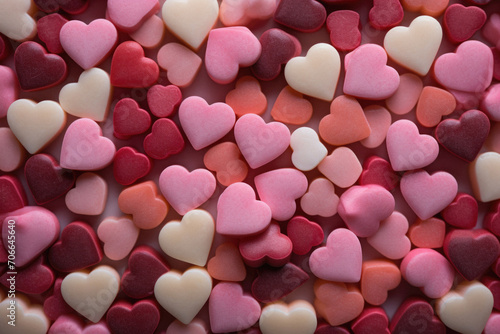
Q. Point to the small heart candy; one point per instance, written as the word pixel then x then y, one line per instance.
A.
pixel 390 239
pixel 247 97
pixel 118 236
pixel 338 303
pixel 143 316
pixel 36 278
pixel 151 33
pixel 373 318
pixel 128 15
pixel 342 167
pixel 89 196
pixel 291 107
pixel 164 140
pixel 48 29
pixel 130 68
pixel 129 119
pixel 226 161
pixel 462 212
pixel 461 23
pixel 377 278
pixel 163 101
pixel 182 64
pixel 378 171
pixel 427 233
pixel 312 18
pixel 130 165
pixel 304 234
pixel 227 264
pixel 308 151
pixel 407 94
pixel 432 104
pixel 379 120
pixel 344 28
pixel 12 194
pixel 385 14
pixel 320 199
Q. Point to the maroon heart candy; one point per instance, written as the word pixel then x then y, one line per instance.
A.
pixel 385 14
pixel 491 221
pixel 36 69
pixel 33 279
pixel 416 315
pixel 324 328
pixel 163 101
pixel 496 62
pixel 145 266
pixel 471 252
pixel 304 234
pixel 164 140
pixel 301 15
pixel 69 6
pixel 464 137
pixel 55 306
pixel 461 22
pixel 496 267
pixel 129 119
pixel 142 317
pixel 130 165
pixel 48 28
pixel 462 212
pixel 275 283
pixel 12 195
pixel 78 248
pixel 371 320
pixel 278 47
pixel 494 286
pixel 344 27
pixel 379 171
pixel 4 47
pixel 46 179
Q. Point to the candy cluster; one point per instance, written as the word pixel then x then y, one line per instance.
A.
pixel 252 166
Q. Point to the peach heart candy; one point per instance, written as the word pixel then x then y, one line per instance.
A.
pixel 150 34
pixel 89 196
pixel 390 239
pixel 247 97
pixel 182 64
pixel 377 278
pixel 342 167
pixel 427 233
pixel 320 198
pixel 227 264
pixel 226 161
pixel 291 107
pixel 379 120
pixel 407 94
pixel 118 236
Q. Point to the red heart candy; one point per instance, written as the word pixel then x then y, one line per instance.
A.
pixel 12 195
pixel 164 140
pixel 344 28
pixel 48 28
pixel 301 15
pixel 385 14
pixel 163 101
pixel 130 165
pixel 142 317
pixel 129 119
pixel 46 179
pixel 464 137
pixel 416 315
pixel 462 212
pixel 324 328
pixel 55 306
pixel 494 286
pixel 33 279
pixel 145 266
pixel 272 284
pixel 77 248
pixel 471 252
pixel 69 6
pixel 129 67
pixel 4 47
pixel 491 221
pixel 379 171
pixel 304 234
pixel 371 320
pixel 278 47
pixel 461 22
pixel 36 69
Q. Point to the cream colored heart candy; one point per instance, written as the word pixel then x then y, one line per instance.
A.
pixel 308 151
pixel 484 175
pixel 15 20
pixel 297 317
pixel 91 294
pixel 190 239
pixel 18 316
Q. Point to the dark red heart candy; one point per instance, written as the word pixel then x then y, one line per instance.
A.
pixel 416 315
pixel 69 6
pixel 55 306
pixel 371 320
pixel 491 221
pixel 33 279
pixel 142 317
pixel 344 28
pixel 4 47
pixel 301 15
pixel 164 140
pixel 163 101
pixel 48 28
pixel 129 119
pixel 12 195
pixel 130 165
pixel 129 67
pixel 461 22
pixel 462 212
pixel 304 234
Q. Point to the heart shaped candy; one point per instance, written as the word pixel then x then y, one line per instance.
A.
pixel 407 94
pixel 163 101
pixel 30 318
pixel 164 140
pixel 12 194
pixel 304 234
pixel 226 161
pixel 291 107
pixel 143 316
pixel 385 14
pixel 118 236
pixel 129 119
pixel 344 28
pixel 75 324
pixel 130 165
pixel 342 167
pixel 457 28
pixel 196 326
pixel 16 21
pixel 151 33
pixel 9 89
pixel 320 198
pixel 462 212
pixel 373 318
pixel 130 68
pixel 89 196
pixel 308 151
pixel 243 13
pixel 313 15
pixel 182 64
pixel 295 318
pixel 378 171
pixel 434 103
pixel 128 15
pixel 416 314
pixel 227 264
pixel 69 6
pixel 48 29
pixel 377 278
pixel 390 239
pixel 484 178
pixel 379 120
pixel 36 278
pixel 272 284
pixel 54 306
pixel 427 233
pixel 247 97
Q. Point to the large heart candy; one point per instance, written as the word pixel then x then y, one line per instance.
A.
pixel 130 68
pixel 16 21
pixel 118 235
pixel 143 317
pixel 416 315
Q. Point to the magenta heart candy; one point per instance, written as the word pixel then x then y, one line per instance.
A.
pixel 141 317
pixel 416 315
pixel 55 306
pixel 371 320
pixel 462 212
pixel 5 47
pixel 304 234
pixel 69 6
pixel 33 279
pixel 164 140
pixel 301 15
pixel 129 119
pixel 163 101
pixel 344 28
pixel 12 195
pixel 48 28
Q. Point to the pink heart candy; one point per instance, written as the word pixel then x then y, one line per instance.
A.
pixel 13 153
pixel 118 235
pixel 363 208
pixel 128 15
pixel 228 49
pixel 390 240
pixel 182 64
pixel 427 194
pixel 89 196
pixel 239 213
pixel 75 325
pixel 320 199
pixel 205 124
pixel 407 148
pixel 185 190
pixel 259 142
pixel 340 260
pixel 9 89
pixel 88 45
pixel 84 147
pixel 241 13
pixel 279 189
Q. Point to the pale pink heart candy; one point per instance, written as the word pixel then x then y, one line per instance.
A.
pixel 196 326
pixel 342 167
pixel 490 102
pixel 13 153
pixel 128 15
pixel 406 96
pixel 390 240
pixel 427 194
pixel 362 208
pixel 407 148
pixel 379 120
pixel 493 324
pixel 186 190
pixel 31 239
pixel 259 142
pixel 182 64
pixel 230 309
pixel 239 213
pixel 279 189
pixel 119 236
pixel 84 147
pixel 69 323
pixel 340 260
pixel 150 33
pixel 89 196
pixel 367 75
pixel 320 199
pixel 429 270
pixel 228 49
pixel 9 89
pixel 241 13
pixel 205 124
pixel 88 45
pixel 469 69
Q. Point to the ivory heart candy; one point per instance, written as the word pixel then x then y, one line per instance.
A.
pixel 118 235
pixel 164 140
pixel 226 161
pixel 484 177
pixel 130 165
pixel 163 101
pixel 344 29
pixel 342 167
pixel 390 239
pixel 9 89
pixel 304 234
pixel 128 15
pixel 373 318
pixel 247 97
pixel 48 29
pixel 143 316
pixel 385 14
pixel 320 198
pixel 89 196
pixel 129 119
pixel 313 15
pixel 298 317
pixel 130 68
pixel 182 64
pixel 462 212
pixel 291 107
pixel 377 278
pixel 227 264
pixel 12 194
pixel 456 28
pixel 16 21
pixel 308 151
pixel 416 315
pixel 243 13
pixel 28 318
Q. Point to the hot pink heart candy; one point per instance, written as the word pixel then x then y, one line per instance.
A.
pixel 186 190
pixel 228 49
pixel 84 147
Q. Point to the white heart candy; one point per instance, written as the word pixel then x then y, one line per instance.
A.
pixel 415 47
pixel 190 239
pixel 91 294
pixel 298 317
pixel 35 125
pixel 317 73
pixel 21 317
pixel 90 97
pixel 183 295
pixel 308 151
pixel 485 176
pixel 15 20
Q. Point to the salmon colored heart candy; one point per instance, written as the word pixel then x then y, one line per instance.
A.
pixel 377 278
pixel 118 236
pixel 461 23
pixel 426 7
pixel 128 15
pixel 427 233
pixel 390 239
pixel 182 64
pixel 226 161
pixel 291 107
pixel 89 196
pixel 143 201
pixel 164 140
pixel 379 120
pixel 246 97
pixel 130 68
pixel 344 28
pixel 227 264
pixel 433 104
pixel 320 199
pixel 337 303
pixel 342 167
pixel 407 94
pixel 304 234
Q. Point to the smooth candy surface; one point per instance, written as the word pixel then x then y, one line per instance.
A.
pixel 196 326
pixel 342 167
pixel 128 15
pixel 118 236
pixel 182 64
pixel 407 94
pixel 298 317
pixel 390 239
pixel 484 177
pixel 89 196
pixel 16 21
pixel 320 199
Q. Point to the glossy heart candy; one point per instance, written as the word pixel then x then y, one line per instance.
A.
pixel 130 68
pixel 129 119
pixel 164 140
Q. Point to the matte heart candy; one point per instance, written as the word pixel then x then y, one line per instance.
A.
pixel 260 142
pixel 90 195
pixel 182 64
pixel 16 21
pixel 128 15
pixel 48 29
pixel 130 165
pixel 416 314
pixel 338 303
pixel 231 309
pixel 143 316
pixel 130 68
pixel 377 278
pixel 297 317
pixel 462 212
pixel 69 6
pixel 5 48
pixel 484 178
pixel 75 324
pixel 151 33
pixel 31 315
pixel 9 89
pixel 378 171
pixel 492 324
pixel 308 151
pixel 227 264
pixel 379 120
pixel 12 194
pixel 407 94
pixel 460 22
pixel 33 279
pixel 340 260
pixel 320 199
pixel 312 18
pixel 489 102
pixel 118 235
pixel 244 13
pixel 390 239
pixel 325 328
pixel 247 97
pixel 196 326
pixel 46 179
pixel 342 167
pixel 129 119
pixel 78 248
pixel 432 104
pixel 54 306
pixel 163 101
pixel 226 161
pixel 491 222
pixel 85 148
pixel 491 30
pixel 494 285
pixel 344 28
pixel 36 69
pixel 385 14
pixel 304 234
pixel 291 107
pixel 164 140
pixel 88 45
pixel 185 190
pixel 427 233
pixel 373 318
